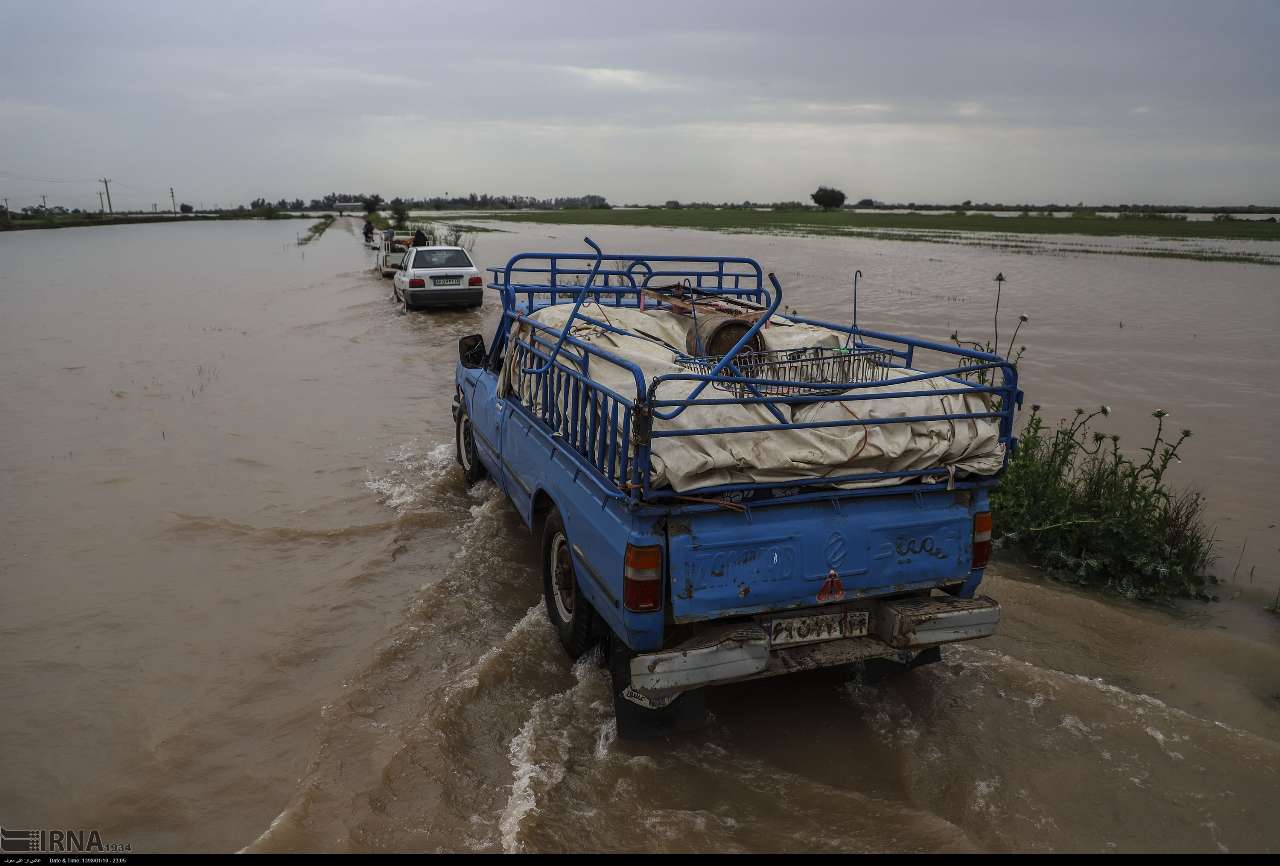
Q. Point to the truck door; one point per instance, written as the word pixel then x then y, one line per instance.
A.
pixel 488 413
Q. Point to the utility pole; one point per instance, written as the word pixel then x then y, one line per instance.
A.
pixel 44 200
pixel 106 183
pixel 153 207
pixel 101 207
pixel 173 201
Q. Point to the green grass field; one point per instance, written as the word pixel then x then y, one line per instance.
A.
pixel 845 222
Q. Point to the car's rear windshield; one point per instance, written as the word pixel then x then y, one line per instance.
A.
pixel 441 259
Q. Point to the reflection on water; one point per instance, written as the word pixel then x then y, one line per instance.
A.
pixel 250 601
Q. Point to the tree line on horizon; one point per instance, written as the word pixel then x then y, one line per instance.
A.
pixel 825 198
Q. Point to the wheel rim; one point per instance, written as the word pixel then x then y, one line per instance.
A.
pixel 563 588
pixel 464 431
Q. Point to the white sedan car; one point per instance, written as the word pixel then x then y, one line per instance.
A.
pixel 437 276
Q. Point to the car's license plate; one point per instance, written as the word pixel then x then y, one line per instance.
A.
pixel 445 281
pixel 823 626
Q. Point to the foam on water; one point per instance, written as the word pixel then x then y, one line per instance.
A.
pixel 1136 703
pixel 532 622
pixel 412 475
pixel 540 752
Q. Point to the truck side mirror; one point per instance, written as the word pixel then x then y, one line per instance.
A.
pixel 471 351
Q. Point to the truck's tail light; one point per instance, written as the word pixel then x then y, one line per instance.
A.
pixel 417 283
pixel 642 579
pixel 981 539
pixel 475 281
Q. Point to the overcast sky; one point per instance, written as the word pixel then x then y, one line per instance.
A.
pixel 641 101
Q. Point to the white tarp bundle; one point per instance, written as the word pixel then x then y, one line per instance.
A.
pixel 687 463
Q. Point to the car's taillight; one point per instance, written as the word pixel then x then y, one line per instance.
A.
pixel 475 281
pixel 981 538
pixel 417 283
pixel 642 578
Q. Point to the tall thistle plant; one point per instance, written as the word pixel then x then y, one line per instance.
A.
pixel 1076 505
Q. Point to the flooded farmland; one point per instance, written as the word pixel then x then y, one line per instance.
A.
pixel 249 600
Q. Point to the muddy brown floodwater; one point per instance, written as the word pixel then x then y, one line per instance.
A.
pixel 248 600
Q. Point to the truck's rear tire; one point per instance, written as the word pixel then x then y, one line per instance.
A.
pixel 465 441
pixel 567 608
pixel 686 713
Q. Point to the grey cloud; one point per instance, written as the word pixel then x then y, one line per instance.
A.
pixel 733 100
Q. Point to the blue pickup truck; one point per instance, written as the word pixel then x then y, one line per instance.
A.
pixel 725 493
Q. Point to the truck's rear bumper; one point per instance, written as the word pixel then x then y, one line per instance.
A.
pixel 731 653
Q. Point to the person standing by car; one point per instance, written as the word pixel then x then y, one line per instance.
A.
pixel 419 238
pixel 368 231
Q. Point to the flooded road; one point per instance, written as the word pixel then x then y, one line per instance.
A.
pixel 249 601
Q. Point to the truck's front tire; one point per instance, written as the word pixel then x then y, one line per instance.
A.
pixel 686 713
pixel 465 441
pixel 567 608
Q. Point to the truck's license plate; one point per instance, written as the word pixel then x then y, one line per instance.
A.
pixel 825 626
pixel 445 281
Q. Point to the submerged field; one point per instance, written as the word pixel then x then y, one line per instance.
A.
pixel 252 602
pixel 1234 240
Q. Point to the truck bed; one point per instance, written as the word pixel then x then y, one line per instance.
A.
pixel 912 425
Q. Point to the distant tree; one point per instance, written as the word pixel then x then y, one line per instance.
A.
pixel 372 203
pixel 400 211
pixel 263 208
pixel 866 202
pixel 673 204
pixel 186 208
pixel 966 203
pixel 828 198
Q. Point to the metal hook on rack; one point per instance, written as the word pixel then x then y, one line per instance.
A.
pixel 857 275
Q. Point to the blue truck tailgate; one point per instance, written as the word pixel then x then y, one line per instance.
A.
pixel 778 557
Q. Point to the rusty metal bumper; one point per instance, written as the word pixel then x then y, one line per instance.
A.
pixel 929 621
pixel 741 651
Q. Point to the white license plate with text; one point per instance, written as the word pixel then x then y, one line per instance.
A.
pixel 819 627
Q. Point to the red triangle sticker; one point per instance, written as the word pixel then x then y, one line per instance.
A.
pixel 832 588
